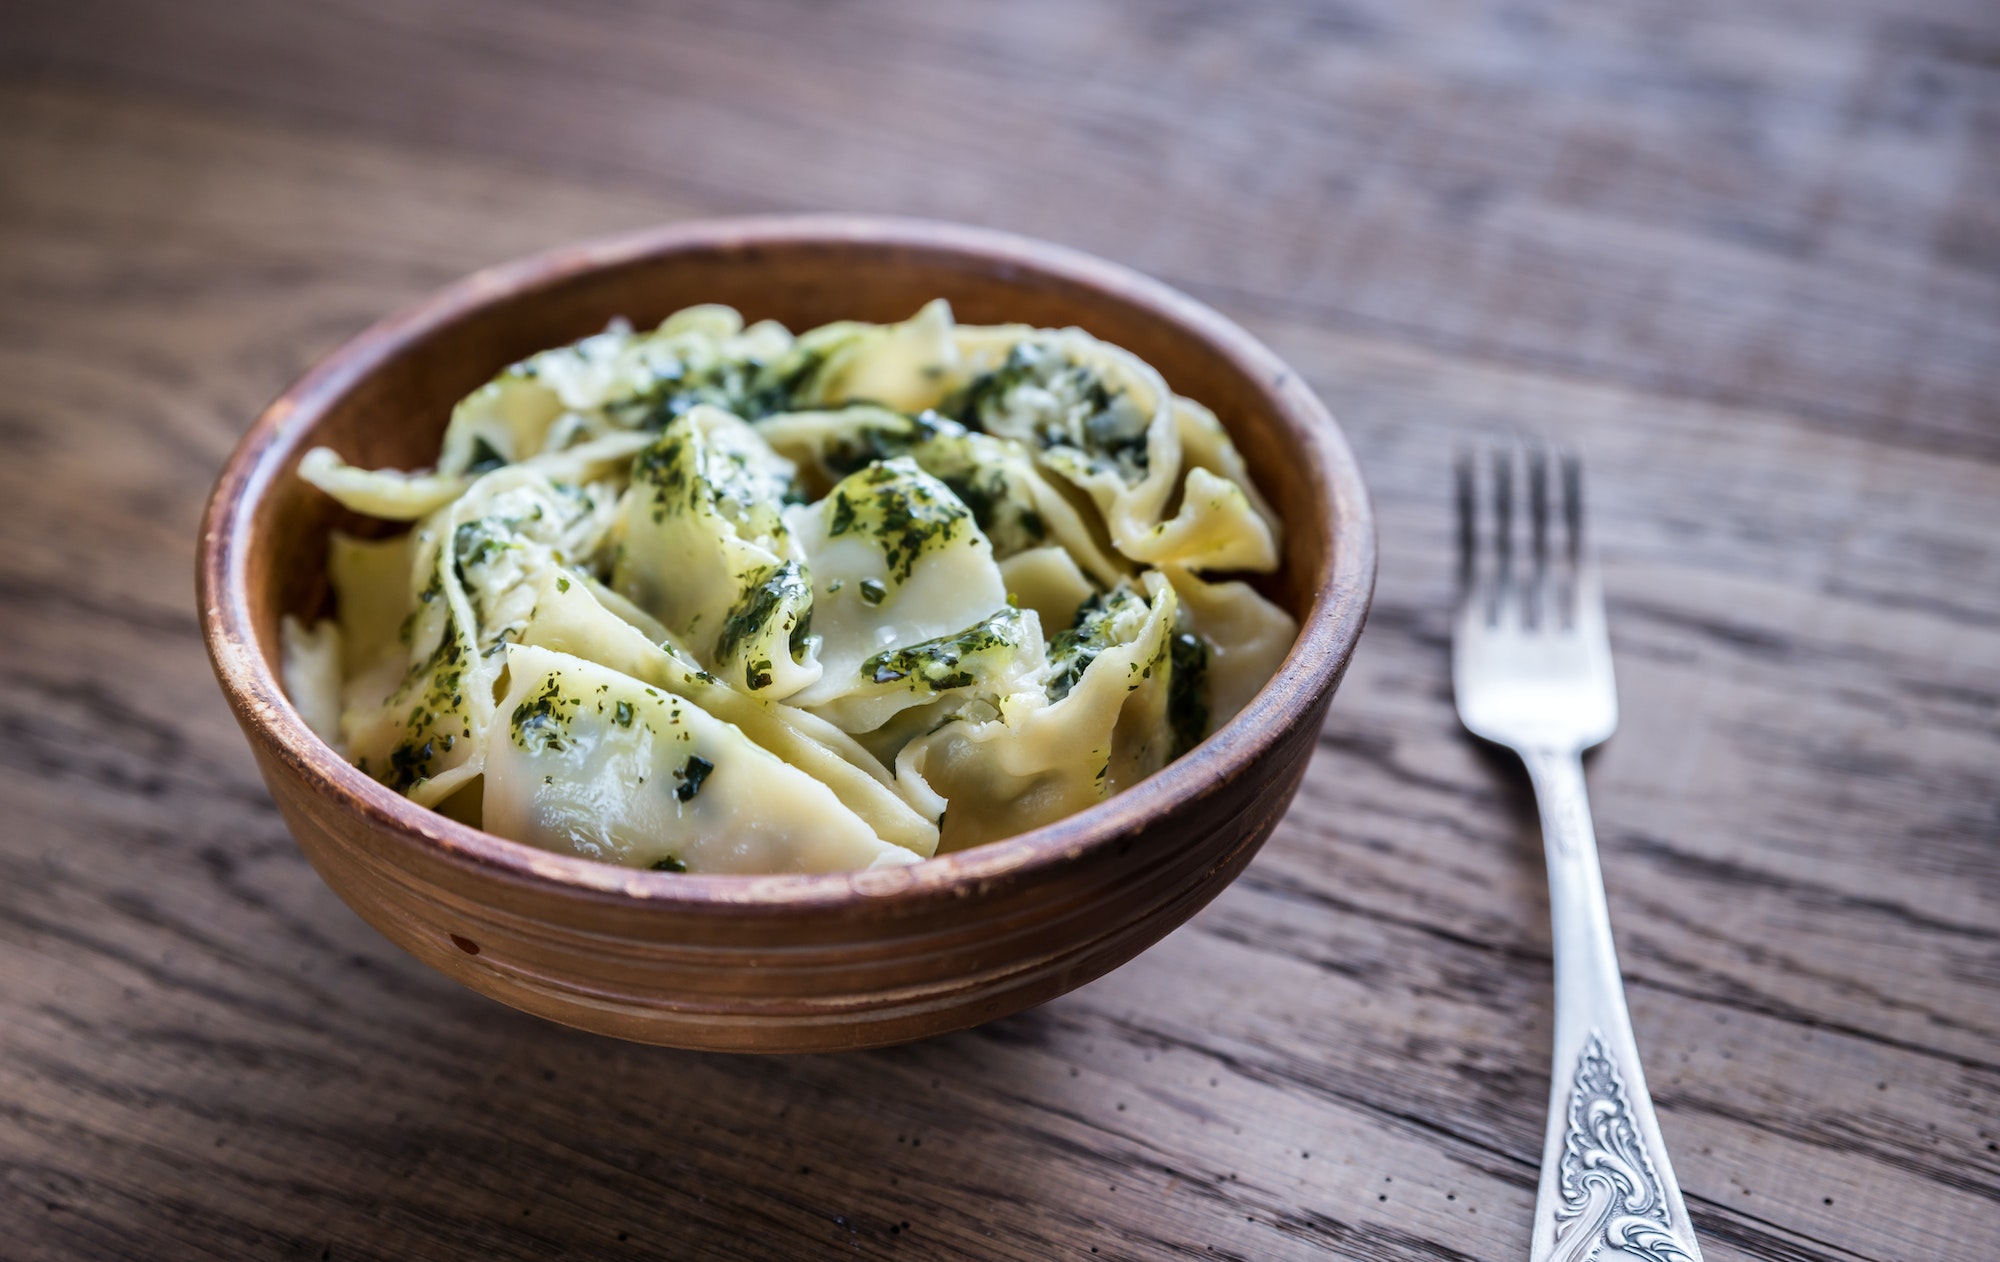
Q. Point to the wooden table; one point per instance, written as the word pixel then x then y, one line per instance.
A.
pixel 1745 253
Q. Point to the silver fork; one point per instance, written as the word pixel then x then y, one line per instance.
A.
pixel 1531 668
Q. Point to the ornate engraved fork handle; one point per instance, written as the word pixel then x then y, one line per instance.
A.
pixel 1607 1189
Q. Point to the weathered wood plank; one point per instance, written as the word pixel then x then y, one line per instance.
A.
pixel 1709 205
pixel 1821 738
pixel 203 1054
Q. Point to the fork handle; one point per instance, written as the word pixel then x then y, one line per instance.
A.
pixel 1606 1180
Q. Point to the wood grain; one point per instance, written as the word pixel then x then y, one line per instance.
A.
pixel 1747 256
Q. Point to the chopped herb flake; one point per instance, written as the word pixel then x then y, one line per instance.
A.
pixel 691 775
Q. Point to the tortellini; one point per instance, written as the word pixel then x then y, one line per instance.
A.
pixel 1102 720
pixel 707 552
pixel 714 599
pixel 470 589
pixel 595 761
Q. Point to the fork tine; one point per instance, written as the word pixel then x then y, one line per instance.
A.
pixel 1468 523
pixel 1536 599
pixel 1522 559
pixel 1503 532
pixel 1572 475
pixel 1573 593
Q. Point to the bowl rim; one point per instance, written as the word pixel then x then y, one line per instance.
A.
pixel 272 445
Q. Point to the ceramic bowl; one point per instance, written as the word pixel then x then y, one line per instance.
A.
pixel 779 963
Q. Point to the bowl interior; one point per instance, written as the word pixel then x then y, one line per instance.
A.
pixel 384 400
pixel 394 415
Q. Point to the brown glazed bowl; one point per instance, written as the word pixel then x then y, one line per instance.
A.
pixel 779 963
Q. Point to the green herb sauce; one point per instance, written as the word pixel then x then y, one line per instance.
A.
pixel 942 664
pixel 1187 690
